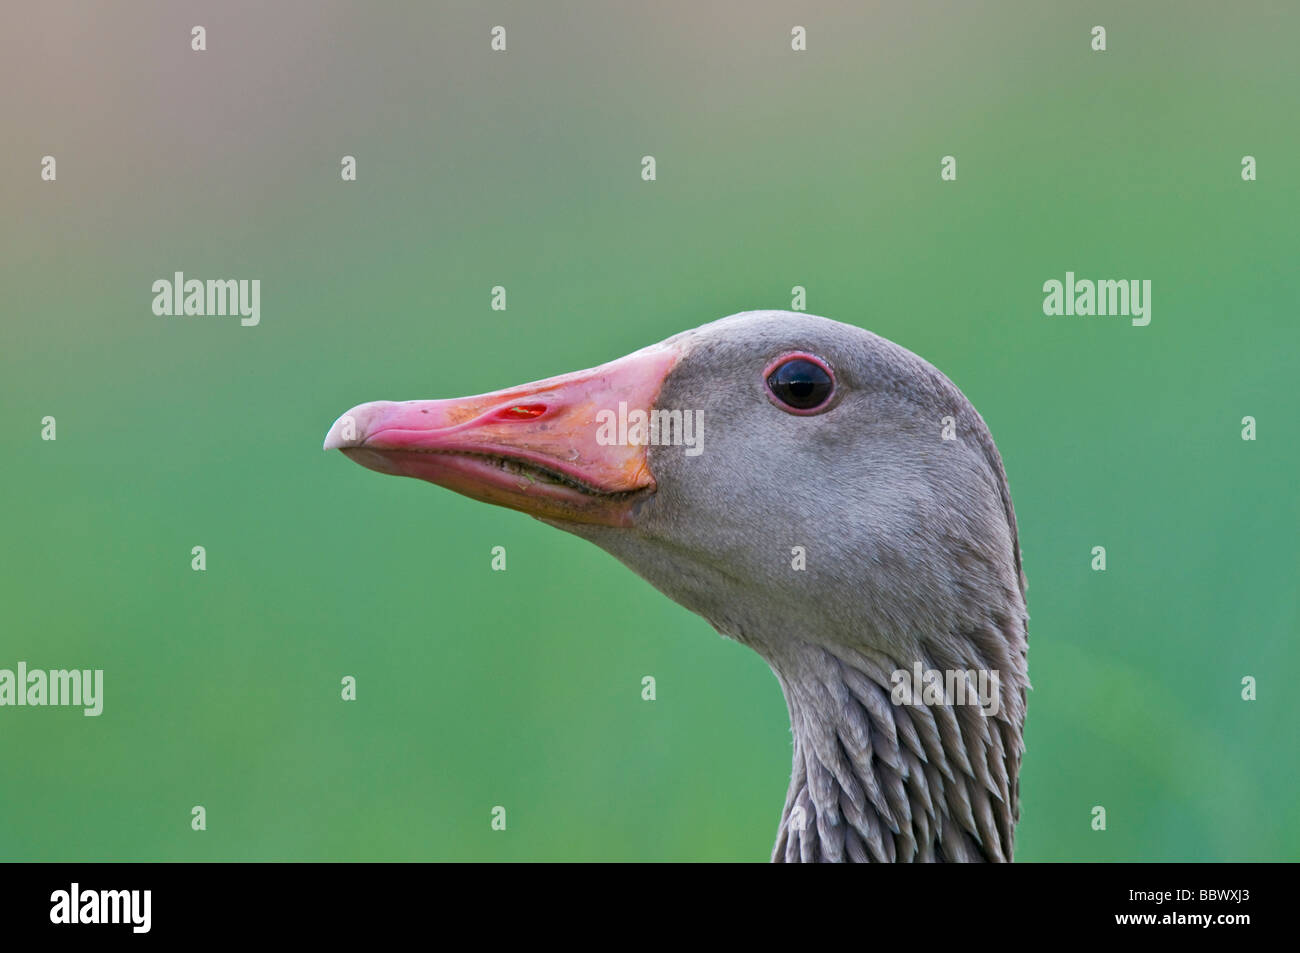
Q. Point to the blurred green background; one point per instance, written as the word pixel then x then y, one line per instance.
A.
pixel 522 689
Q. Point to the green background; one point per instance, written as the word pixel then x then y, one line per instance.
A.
pixel 522 689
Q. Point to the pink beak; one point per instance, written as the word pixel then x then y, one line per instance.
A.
pixel 532 448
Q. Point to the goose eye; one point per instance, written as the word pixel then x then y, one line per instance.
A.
pixel 800 383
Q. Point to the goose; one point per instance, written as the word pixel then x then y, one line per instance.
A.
pixel 838 506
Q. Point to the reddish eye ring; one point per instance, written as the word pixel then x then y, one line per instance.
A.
pixel 799 383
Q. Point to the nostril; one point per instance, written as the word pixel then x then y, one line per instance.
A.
pixel 521 411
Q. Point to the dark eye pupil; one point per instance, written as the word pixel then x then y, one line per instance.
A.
pixel 800 384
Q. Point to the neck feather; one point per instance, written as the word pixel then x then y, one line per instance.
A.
pixel 874 780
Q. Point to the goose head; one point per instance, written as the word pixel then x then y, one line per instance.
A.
pixel 817 493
